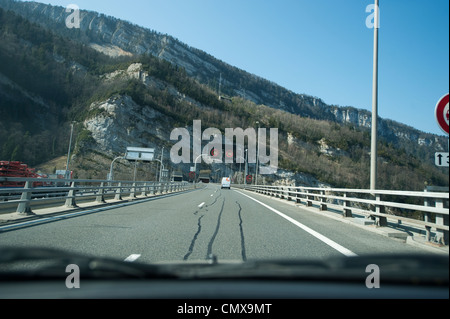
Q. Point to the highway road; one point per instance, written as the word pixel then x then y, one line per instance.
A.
pixel 230 224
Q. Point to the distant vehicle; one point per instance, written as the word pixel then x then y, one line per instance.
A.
pixel 226 182
pixel 204 176
pixel 177 176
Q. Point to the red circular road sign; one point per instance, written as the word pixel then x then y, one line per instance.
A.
pixel 213 152
pixel 441 113
pixel 191 175
pixel 249 178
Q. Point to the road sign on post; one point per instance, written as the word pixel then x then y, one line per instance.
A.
pixel 441 159
pixel 164 175
pixel 140 154
pixel 441 113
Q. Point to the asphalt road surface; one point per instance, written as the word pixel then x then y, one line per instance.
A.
pixel 230 224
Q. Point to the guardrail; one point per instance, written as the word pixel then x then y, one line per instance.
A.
pixel 44 192
pixel 427 210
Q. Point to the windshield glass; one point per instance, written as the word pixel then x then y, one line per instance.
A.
pixel 288 139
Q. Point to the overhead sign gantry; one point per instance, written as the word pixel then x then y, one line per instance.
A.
pixel 140 154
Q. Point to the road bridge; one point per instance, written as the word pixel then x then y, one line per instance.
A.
pixel 197 224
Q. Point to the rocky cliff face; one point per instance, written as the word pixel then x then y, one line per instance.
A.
pixel 116 37
pixel 121 123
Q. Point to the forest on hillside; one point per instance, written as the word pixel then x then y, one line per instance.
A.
pixel 50 81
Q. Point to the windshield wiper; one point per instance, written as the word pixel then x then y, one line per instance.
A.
pixel 26 263
pixel 407 269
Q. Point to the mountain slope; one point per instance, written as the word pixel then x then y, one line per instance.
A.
pixel 109 34
pixel 48 79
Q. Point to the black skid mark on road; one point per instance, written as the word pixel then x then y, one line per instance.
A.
pixel 244 256
pixel 211 241
pixel 205 208
pixel 215 200
pixel 191 246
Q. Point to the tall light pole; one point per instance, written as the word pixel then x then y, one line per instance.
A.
pixel 373 153
pixel 162 166
pixel 246 167
pixel 257 154
pixel 68 152
pixel 240 167
pixel 110 176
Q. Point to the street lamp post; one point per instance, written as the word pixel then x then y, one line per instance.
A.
pixel 246 168
pixel 67 175
pixel 240 168
pixel 257 156
pixel 373 153
pixel 161 168
pixel 110 177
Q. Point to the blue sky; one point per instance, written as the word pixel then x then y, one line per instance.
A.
pixel 321 48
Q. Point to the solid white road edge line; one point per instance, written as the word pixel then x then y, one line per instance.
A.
pixel 132 257
pixel 319 236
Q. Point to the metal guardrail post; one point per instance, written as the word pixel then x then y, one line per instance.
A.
pixel 427 218
pixel 380 221
pixel 323 205
pixel 100 195
pixel 308 199
pixel 283 193
pixel 347 212
pixel 70 199
pixel 289 196
pixel 144 190
pixel 153 191
pixel 133 191
pixel 297 197
pixel 159 189
pixel 441 234
pixel 24 205
pixel 118 192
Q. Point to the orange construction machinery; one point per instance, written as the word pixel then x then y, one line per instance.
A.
pixel 17 169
